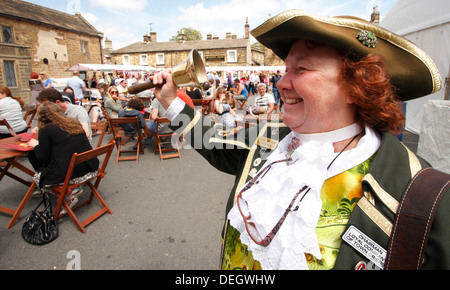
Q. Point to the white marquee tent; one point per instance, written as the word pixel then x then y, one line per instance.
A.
pixel 427 24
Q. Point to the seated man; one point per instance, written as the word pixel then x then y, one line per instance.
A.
pixel 264 102
pixel 241 91
pixel 74 111
pixel 158 111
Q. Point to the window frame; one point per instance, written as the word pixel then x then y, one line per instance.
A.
pixel 141 59
pixel 163 56
pixel 230 58
pixel 124 61
pixel 83 46
pixel 10 34
pixel 10 73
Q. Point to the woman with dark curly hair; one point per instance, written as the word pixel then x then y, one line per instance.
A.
pixel 59 136
pixel 323 189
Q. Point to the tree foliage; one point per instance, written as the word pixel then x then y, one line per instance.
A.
pixel 191 34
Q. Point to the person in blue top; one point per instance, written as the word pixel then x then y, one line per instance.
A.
pixel 46 80
pixel 241 93
pixel 135 106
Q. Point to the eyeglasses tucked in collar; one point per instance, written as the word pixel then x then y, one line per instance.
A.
pixel 246 215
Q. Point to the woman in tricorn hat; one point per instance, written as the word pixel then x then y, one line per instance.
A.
pixel 321 189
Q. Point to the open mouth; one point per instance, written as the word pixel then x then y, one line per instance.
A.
pixel 293 100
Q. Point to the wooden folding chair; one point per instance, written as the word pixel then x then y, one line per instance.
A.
pixel 121 139
pixel 29 116
pixel 163 141
pixel 107 119
pixel 3 122
pixel 241 103
pixel 64 190
pixel 95 126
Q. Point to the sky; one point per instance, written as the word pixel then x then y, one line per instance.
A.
pixel 125 22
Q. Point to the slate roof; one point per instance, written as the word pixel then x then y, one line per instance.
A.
pixel 26 11
pixel 142 47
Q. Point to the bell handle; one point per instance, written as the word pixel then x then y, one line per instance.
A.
pixel 134 89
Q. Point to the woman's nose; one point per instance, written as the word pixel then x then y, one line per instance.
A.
pixel 284 83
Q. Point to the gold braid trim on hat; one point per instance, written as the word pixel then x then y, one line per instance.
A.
pixel 358 24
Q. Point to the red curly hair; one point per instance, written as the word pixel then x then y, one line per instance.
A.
pixel 367 81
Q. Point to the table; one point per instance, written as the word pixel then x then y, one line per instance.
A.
pixel 90 104
pixel 9 158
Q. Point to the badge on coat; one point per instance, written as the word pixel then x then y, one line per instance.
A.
pixel 365 245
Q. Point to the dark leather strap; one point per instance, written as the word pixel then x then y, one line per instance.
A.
pixel 414 218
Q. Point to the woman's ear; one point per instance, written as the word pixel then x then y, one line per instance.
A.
pixel 350 99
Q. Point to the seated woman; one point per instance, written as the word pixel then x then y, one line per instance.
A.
pixel 112 102
pixel 226 114
pixel 11 111
pixel 59 137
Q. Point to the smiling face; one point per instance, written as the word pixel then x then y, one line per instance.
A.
pixel 314 100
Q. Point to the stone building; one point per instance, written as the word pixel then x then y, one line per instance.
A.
pixel 39 39
pixel 228 51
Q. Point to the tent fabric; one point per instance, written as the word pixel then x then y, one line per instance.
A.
pixel 427 24
pixel 110 67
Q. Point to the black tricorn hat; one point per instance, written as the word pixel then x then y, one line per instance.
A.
pixel 412 71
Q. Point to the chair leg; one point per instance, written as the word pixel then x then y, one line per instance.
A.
pixel 21 205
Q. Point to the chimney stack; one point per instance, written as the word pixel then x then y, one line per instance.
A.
pixel 247 29
pixel 375 16
pixel 182 37
pixel 108 44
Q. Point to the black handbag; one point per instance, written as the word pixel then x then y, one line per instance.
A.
pixel 40 227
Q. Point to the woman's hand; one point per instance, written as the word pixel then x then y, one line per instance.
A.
pixel 33 142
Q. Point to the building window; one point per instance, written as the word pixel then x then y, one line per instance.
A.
pixel 126 60
pixel 232 56
pixel 6 34
pixel 160 59
pixel 83 46
pixel 10 75
pixel 144 59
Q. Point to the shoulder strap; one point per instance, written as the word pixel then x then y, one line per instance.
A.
pixel 414 218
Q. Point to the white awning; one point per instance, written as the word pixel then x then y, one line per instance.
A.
pixel 111 67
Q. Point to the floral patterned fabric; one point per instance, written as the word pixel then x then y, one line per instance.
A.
pixel 339 196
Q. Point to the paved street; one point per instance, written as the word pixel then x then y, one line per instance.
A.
pixel 166 215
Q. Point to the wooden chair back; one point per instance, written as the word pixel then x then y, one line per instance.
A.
pixel 3 122
pixel 103 126
pixel 29 116
pixel 107 117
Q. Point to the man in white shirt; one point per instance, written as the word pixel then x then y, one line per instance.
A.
pixel 77 85
pixel 73 111
pixel 264 102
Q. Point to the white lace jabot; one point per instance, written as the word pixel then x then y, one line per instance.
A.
pixel 268 200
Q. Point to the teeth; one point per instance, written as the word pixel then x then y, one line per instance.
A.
pixel 292 101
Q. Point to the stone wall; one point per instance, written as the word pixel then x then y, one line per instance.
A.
pixel 42 48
